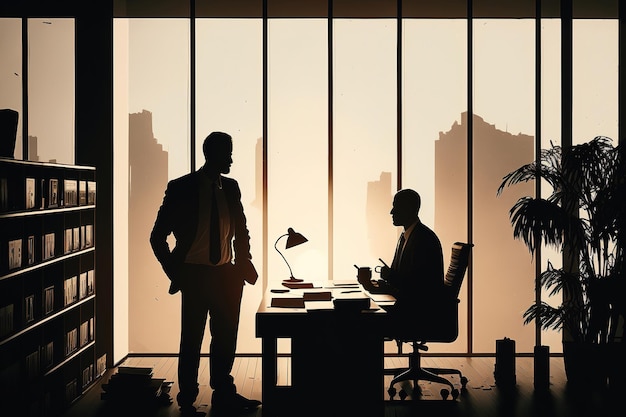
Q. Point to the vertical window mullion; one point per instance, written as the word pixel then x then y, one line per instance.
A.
pixel 399 95
pixel 537 259
pixel 192 86
pixel 264 151
pixel 470 167
pixel 25 71
pixel 330 143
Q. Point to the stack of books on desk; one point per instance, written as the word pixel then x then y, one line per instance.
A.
pixel 297 297
pixel 136 385
pixel 352 301
pixel 296 285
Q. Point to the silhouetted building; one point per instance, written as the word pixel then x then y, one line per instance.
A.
pixel 380 233
pixel 500 262
pixel 258 169
pixel 32 148
pixel 148 176
pixel 495 154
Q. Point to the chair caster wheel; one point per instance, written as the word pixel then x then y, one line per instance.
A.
pixel 392 392
pixel 463 382
pixel 402 394
pixel 455 394
pixel 444 393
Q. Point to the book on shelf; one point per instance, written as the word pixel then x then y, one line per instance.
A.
pixel 82 285
pixel 87 375
pixel 82 193
pixel 71 391
pixel 90 281
pixel 75 238
pixel 4 194
pixel 6 319
pixel 70 290
pixel 91 192
pixel 31 250
pixel 30 193
pixel 53 192
pixel 101 365
pixel 88 235
pixel 91 335
pixel 42 193
pixel 84 333
pixel 70 193
pixel 71 341
pixel 32 365
pixel 15 253
pixel 67 241
pixel 48 297
pixel 47 246
pixel 48 355
pixel 83 237
pixel 29 308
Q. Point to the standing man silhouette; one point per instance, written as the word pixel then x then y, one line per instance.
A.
pixel 415 277
pixel 209 264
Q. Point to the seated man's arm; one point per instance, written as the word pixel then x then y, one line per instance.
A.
pixel 380 286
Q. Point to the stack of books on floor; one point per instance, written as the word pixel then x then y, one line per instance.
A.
pixel 136 386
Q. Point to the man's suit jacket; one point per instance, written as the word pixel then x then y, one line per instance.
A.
pixel 179 215
pixel 418 276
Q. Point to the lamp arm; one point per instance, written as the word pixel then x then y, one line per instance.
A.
pixel 283 256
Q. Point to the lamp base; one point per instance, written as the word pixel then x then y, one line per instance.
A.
pixel 292 279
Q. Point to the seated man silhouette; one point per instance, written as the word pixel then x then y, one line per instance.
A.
pixel 415 277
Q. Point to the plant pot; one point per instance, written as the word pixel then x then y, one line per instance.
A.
pixel 616 358
pixel 585 364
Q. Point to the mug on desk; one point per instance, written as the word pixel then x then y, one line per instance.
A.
pixel 364 273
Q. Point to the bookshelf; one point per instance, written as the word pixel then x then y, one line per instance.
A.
pixel 48 351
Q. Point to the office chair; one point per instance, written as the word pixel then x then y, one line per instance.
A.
pixel 444 329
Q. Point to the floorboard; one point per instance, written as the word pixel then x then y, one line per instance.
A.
pixel 482 397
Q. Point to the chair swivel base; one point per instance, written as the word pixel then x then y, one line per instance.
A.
pixel 427 374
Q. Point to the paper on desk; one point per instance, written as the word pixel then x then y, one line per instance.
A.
pixel 319 305
pixel 343 283
pixel 287 302
pixel 382 298
pixel 317 295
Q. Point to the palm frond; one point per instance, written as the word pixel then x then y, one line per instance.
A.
pixel 584 216
pixel 530 215
pixel 551 318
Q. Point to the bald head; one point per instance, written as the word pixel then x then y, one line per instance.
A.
pixel 406 207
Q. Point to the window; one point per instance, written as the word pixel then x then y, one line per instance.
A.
pixel 331 116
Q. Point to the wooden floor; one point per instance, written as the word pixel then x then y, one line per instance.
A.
pixel 482 398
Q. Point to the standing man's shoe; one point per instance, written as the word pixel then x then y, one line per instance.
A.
pixel 233 403
pixel 190 411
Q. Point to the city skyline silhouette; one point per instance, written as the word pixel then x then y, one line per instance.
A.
pixel 148 173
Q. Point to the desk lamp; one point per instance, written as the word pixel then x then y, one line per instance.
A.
pixel 293 239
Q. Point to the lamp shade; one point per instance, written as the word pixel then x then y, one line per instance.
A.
pixel 294 238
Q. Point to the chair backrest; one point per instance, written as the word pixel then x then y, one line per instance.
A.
pixel 458 265
pixel 443 324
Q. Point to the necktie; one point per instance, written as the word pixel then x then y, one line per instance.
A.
pixel 398 254
pixel 215 250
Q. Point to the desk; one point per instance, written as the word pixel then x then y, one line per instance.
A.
pixel 337 360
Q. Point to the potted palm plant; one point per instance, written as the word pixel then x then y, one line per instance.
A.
pixel 584 218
